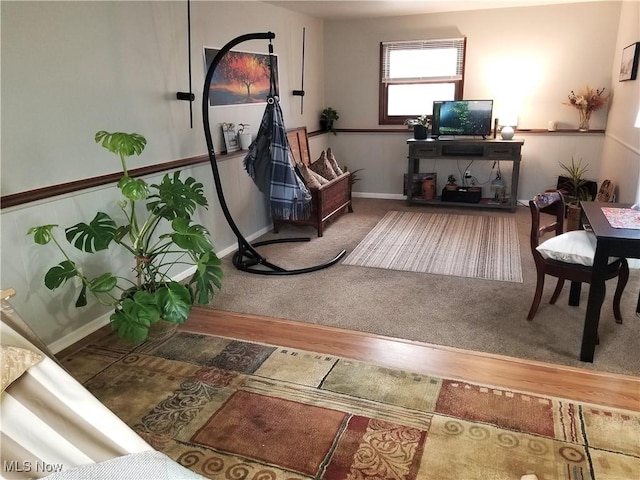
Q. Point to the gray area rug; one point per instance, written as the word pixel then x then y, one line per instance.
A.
pixel 444 244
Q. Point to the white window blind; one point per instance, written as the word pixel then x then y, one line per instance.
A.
pixel 414 61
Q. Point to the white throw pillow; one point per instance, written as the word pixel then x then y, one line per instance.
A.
pixel 577 246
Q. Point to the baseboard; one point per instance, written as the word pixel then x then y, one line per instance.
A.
pixel 383 196
pixel 98 323
pixel 78 334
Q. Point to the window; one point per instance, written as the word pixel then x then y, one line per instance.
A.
pixel 415 73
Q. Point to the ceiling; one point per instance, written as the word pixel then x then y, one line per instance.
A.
pixel 340 9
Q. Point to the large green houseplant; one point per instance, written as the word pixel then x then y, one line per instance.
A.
pixel 158 237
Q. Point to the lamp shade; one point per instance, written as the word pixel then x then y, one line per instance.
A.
pixel 637 124
pixel 507 121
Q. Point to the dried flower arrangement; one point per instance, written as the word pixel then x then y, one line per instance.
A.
pixel 587 101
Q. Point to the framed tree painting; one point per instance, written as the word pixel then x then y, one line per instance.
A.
pixel 629 63
pixel 241 78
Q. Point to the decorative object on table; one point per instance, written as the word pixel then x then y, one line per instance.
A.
pixel 587 102
pixel 230 137
pixel 574 190
pixel 499 188
pixel 429 187
pixel 327 119
pixel 508 121
pixel 451 183
pixel 241 78
pixel 629 62
pixel 552 126
pixel 244 135
pixel 420 126
pixel 164 238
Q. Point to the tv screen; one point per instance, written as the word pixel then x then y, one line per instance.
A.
pixel 462 117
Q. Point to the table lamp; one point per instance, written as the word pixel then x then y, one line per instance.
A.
pixel 507 122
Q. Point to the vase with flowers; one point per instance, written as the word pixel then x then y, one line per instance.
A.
pixel 587 102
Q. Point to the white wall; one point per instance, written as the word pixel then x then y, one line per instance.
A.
pixel 621 152
pixel 70 69
pixel 529 58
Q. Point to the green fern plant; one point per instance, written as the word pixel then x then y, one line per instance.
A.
pixel 151 295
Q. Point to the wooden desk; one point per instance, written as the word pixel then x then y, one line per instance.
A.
pixel 611 242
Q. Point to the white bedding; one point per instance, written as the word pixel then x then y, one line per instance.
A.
pixel 50 423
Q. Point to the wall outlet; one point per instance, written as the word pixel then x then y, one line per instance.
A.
pixel 467 174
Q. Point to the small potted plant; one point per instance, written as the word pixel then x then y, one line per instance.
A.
pixel 574 191
pixel 420 126
pixel 244 135
pixel 327 119
pixel 451 183
pixel 158 237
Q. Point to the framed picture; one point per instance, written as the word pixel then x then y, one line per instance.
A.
pixel 230 137
pixel 629 64
pixel 241 78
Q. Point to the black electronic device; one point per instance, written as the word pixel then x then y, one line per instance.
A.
pixel 462 118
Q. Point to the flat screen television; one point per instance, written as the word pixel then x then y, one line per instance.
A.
pixel 462 117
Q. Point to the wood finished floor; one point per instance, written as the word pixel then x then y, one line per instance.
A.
pixel 618 391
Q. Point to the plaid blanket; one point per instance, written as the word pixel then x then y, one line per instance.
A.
pixel 268 163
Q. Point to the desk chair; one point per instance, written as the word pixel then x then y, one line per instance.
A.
pixel 567 256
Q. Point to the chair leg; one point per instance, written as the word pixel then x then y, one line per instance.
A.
pixel 623 278
pixel 574 294
pixel 537 296
pixel 556 292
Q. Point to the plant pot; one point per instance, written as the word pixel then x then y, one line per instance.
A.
pixel 429 188
pixel 245 140
pixel 574 214
pixel 326 125
pixel 420 132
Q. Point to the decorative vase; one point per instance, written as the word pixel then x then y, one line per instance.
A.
pixel 245 140
pixel 419 132
pixel 429 188
pixel 585 115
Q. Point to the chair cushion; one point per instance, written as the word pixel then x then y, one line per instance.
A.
pixel 577 246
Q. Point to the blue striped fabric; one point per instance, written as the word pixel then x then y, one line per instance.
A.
pixel 290 198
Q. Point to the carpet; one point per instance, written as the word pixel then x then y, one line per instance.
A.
pixel 472 246
pixel 239 410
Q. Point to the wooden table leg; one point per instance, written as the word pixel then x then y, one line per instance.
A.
pixel 594 305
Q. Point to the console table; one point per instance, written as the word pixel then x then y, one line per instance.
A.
pixel 489 149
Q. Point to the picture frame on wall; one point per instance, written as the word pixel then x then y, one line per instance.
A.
pixel 241 77
pixel 230 137
pixel 629 63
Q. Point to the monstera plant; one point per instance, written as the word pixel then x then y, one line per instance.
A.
pixel 158 236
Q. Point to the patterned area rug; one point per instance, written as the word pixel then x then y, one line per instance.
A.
pixel 473 246
pixel 230 409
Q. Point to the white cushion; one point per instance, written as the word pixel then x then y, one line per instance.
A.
pixel 577 246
